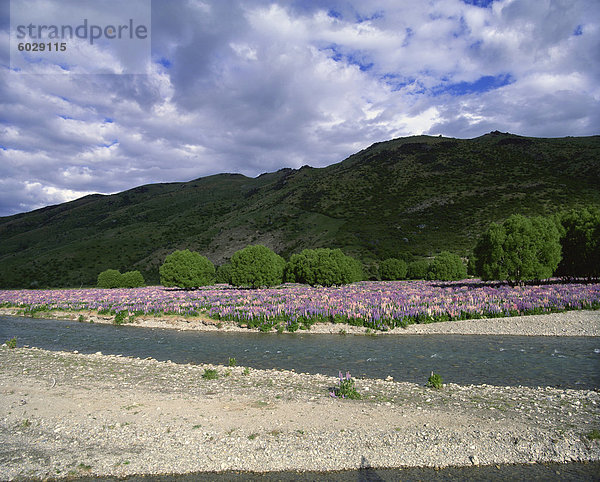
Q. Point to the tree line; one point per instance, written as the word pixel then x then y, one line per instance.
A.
pixel 517 250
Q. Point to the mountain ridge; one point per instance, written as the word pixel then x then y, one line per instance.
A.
pixel 417 195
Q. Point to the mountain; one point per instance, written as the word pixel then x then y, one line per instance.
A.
pixel 416 195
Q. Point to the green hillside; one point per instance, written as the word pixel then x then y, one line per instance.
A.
pixel 415 195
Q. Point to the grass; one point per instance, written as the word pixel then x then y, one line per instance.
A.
pixel 210 374
pixel 593 435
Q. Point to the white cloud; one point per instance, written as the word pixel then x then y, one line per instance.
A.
pixel 255 86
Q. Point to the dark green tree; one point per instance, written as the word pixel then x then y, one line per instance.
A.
pixel 519 249
pixel 187 269
pixel 132 279
pixel 110 278
pixel 580 241
pixel 323 267
pixel 224 273
pixel 447 267
pixel 256 266
pixel 393 269
pixel 417 269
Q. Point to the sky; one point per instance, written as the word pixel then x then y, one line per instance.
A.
pixel 252 86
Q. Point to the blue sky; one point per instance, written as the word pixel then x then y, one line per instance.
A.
pixel 253 86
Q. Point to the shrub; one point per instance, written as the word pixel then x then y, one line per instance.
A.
pixel 435 381
pixel 580 242
pixel 447 267
pixel 324 267
pixel 120 317
pixel 11 343
pixel 519 249
pixel 393 269
pixel 187 269
pixel 256 266
pixel 210 374
pixel 111 278
pixel 132 279
pixel 417 269
pixel 224 274
pixel 346 388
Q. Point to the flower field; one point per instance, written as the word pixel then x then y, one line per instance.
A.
pixel 378 305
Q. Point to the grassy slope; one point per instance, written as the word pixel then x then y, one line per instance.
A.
pixel 419 194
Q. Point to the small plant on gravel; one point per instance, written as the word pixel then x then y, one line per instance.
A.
pixel 594 434
pixel 120 317
pixel 246 371
pixel 232 362
pixel 435 381
pixel 346 388
pixel 81 319
pixel 210 374
pixel 12 343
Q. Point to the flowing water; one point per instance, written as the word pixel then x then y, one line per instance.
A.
pixel 568 362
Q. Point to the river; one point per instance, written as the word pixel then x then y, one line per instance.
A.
pixel 566 362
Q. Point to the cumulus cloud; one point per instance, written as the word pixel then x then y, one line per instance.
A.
pixel 238 86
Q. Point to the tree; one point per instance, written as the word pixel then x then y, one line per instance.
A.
pixel 224 273
pixel 324 267
pixel 256 266
pixel 447 267
pixel 393 269
pixel 519 249
pixel 110 278
pixel 417 269
pixel 187 269
pixel 132 279
pixel 580 242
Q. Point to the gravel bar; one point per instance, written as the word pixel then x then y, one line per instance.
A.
pixel 67 414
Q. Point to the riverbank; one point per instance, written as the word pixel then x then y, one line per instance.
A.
pixel 568 323
pixel 70 414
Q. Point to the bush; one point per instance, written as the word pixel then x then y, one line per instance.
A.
pixel 324 267
pixel 132 279
pixel 580 242
pixel 346 388
pixel 256 266
pixel 393 269
pixel 519 249
pixel 111 278
pixel 435 381
pixel 210 374
pixel 417 269
pixel 447 267
pixel 187 269
pixel 224 274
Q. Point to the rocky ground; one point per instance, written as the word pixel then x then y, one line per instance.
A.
pixel 65 414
